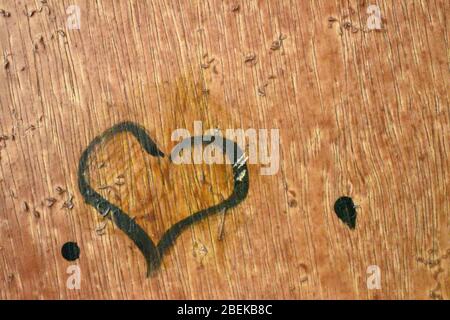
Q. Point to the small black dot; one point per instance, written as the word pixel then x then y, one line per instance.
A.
pixel 346 211
pixel 70 251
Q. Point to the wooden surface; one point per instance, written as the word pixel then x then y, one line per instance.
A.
pixel 363 114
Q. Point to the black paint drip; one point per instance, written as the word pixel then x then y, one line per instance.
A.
pixel 346 211
pixel 70 251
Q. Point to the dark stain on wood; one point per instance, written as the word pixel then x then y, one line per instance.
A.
pixel 346 211
pixel 70 251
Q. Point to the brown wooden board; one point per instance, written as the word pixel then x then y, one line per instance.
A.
pixel 361 113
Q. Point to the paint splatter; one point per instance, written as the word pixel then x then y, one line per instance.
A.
pixel 346 211
pixel 70 251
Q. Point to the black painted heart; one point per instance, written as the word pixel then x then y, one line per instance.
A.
pixel 152 251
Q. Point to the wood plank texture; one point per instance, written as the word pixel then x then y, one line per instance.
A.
pixel 363 114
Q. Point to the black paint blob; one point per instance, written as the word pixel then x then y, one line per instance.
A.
pixel 346 211
pixel 70 251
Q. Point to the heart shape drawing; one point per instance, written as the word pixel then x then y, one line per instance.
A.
pixel 152 252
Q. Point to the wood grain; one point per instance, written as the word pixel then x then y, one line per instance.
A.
pixel 363 114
